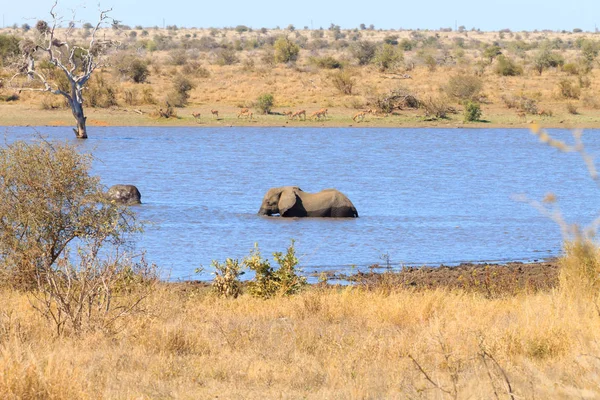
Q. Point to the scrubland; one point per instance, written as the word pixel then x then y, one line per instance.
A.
pixel 407 78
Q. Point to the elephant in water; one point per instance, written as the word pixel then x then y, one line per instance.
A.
pixel 124 194
pixel 291 201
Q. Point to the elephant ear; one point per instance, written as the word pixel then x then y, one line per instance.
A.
pixel 287 200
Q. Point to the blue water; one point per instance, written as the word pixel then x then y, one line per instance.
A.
pixel 424 196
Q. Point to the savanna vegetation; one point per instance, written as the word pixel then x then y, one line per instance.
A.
pixel 396 77
pixel 84 316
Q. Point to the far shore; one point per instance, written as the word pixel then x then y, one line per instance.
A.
pixel 16 114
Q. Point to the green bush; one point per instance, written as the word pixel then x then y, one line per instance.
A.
pixel 571 69
pixel 179 96
pixel 547 59
pixel 9 48
pixel 285 50
pixel 387 57
pixel 265 102
pixel 327 62
pixel 472 111
pixel 269 282
pixel 507 67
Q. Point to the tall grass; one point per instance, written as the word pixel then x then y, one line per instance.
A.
pixel 323 343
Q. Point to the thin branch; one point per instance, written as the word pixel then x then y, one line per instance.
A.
pixel 427 376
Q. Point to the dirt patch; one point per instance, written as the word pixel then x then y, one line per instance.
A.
pixel 489 279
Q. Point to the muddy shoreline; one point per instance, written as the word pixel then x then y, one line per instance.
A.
pixel 490 279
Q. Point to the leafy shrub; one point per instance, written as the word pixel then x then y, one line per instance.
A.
pixel 327 62
pixel 547 59
pixel 265 102
pixel 269 282
pixel 227 278
pixel 241 29
pixel 285 50
pixel 196 69
pixel 391 39
pixel 226 56
pixel 472 111
pixel 139 71
pixel 180 94
pixel 431 62
pixel 100 93
pixel 387 57
pixel 56 220
pixel 568 89
pixel 132 67
pixel 363 51
pixel 464 87
pixel 178 57
pixel 571 69
pixel 507 67
pixel 343 81
pixel 9 48
pixel 491 52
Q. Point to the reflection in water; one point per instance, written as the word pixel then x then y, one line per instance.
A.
pixel 424 196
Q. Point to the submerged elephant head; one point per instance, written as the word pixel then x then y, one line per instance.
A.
pixel 124 194
pixel 291 201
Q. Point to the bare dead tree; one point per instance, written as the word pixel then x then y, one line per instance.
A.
pixel 75 61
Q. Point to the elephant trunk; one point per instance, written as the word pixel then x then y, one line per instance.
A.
pixel 264 211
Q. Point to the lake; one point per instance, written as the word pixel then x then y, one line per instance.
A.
pixel 424 196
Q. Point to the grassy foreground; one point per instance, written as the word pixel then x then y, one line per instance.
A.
pixel 324 343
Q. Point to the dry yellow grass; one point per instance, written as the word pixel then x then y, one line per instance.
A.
pixel 325 343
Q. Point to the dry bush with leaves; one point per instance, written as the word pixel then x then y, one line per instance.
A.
pixel 61 238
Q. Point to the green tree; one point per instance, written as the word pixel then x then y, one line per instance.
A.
pixel 285 50
pixel 387 56
pixel 265 102
pixel 491 52
pixel 9 48
pixel 472 111
pixel 507 67
pixel 545 59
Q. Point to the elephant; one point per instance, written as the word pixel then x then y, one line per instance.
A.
pixel 291 201
pixel 124 194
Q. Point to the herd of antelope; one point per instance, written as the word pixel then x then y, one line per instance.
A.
pixel 299 115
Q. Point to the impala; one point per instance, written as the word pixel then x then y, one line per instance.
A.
pixel 196 116
pixel 359 115
pixel 298 114
pixel 215 113
pixel 245 112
